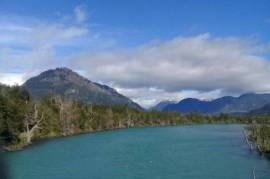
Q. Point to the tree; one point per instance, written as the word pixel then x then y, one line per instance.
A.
pixel 32 123
pixel 66 115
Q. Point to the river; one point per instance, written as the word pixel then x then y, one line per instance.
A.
pixel 188 152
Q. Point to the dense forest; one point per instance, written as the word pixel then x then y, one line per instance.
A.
pixel 23 120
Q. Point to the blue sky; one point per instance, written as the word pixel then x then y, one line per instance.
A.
pixel 151 19
pixel 148 50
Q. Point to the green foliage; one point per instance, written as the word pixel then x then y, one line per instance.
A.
pixel 14 103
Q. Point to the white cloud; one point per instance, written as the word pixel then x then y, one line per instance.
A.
pixel 55 34
pixel 33 45
pixel 147 97
pixel 80 14
pixel 40 34
pixel 11 78
pixel 14 27
pixel 201 63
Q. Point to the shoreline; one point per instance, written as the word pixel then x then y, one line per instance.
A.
pixel 19 147
pixel 259 138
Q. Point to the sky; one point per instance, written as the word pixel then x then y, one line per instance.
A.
pixel 148 50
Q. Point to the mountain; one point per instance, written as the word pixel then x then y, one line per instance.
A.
pixel 195 105
pixel 69 84
pixel 161 105
pixel 265 110
pixel 227 104
pixel 247 102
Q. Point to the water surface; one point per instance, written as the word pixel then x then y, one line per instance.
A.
pixel 188 152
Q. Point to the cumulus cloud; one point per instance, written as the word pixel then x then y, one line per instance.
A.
pixel 202 63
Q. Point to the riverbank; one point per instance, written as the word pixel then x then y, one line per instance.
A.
pixel 22 146
pixel 259 135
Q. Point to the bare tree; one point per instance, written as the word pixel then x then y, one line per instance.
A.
pixel 32 123
pixel 109 120
pixel 129 121
pixel 65 115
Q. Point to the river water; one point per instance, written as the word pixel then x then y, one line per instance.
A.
pixel 188 152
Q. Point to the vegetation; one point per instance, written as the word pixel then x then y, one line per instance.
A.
pixel 23 119
pixel 260 136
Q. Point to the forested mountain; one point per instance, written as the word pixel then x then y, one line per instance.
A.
pixel 228 104
pixel 69 84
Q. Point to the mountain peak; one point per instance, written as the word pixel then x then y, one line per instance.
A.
pixel 69 84
pixel 65 69
pixel 60 71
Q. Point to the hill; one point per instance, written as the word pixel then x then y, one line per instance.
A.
pixel 69 84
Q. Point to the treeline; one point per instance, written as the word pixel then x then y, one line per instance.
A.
pixel 23 119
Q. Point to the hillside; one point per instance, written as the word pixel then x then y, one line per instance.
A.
pixel 69 84
pixel 247 102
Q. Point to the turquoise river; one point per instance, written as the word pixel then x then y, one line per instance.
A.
pixel 178 152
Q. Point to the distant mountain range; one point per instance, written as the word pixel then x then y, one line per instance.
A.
pixel 230 105
pixel 161 105
pixel 69 84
